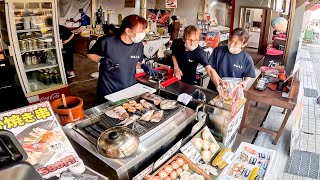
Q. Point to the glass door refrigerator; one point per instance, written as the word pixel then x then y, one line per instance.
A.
pixel 36 48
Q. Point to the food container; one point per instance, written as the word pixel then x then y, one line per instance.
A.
pixel 118 142
pixel 72 113
pixel 34 44
pixel 42 43
pixel 187 168
pixel 26 23
pixel 23 45
pixel 202 147
pixel 29 42
pixel 252 162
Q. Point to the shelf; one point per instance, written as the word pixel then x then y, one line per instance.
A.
pixel 31 30
pixel 37 67
pixel 35 50
pixel 52 88
pixel 33 16
pixel 41 86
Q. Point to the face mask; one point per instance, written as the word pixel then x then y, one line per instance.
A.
pixel 191 48
pixel 234 49
pixel 139 37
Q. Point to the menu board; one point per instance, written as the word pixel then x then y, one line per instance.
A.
pixel 39 133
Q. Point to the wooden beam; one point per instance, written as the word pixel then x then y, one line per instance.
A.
pixel 292 13
pixel 300 2
pixel 308 6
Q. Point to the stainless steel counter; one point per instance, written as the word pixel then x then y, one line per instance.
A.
pixel 146 148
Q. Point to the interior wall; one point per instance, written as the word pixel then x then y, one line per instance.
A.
pixel 218 10
pixel 118 8
pixel 257 13
pixel 70 9
pixel 187 9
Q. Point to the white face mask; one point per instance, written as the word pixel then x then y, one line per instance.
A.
pixel 139 37
pixel 234 49
pixel 190 48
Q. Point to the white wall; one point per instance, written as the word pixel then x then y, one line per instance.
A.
pixel 218 10
pixel 118 8
pixel 257 13
pixel 187 9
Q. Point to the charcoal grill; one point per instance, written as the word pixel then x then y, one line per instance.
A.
pixel 94 126
pixel 153 136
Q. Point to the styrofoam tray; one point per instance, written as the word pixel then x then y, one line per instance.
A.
pixel 225 175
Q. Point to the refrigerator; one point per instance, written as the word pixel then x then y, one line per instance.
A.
pixel 36 49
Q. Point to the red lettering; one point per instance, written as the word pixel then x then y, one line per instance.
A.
pixel 59 165
pixel 51 168
pixel 43 171
pixel 65 162
pixel 69 160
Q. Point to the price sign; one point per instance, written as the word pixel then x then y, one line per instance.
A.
pixel 144 173
pixel 167 155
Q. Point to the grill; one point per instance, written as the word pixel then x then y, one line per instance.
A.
pixel 94 126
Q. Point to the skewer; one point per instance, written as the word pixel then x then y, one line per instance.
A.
pixel 63 97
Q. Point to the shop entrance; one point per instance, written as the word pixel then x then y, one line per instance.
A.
pixel 254 20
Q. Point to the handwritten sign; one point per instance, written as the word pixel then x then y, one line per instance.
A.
pixel 167 155
pixel 144 173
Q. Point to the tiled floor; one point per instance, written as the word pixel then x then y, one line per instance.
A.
pixel 310 78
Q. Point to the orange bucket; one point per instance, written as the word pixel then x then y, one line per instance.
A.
pixel 72 113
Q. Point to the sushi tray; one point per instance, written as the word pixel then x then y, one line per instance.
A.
pixel 251 162
pixel 144 114
pixel 179 167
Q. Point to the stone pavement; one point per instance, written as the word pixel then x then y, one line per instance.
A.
pixel 309 59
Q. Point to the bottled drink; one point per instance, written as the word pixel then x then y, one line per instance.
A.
pixel 56 77
pixel 34 59
pixel 51 59
pixel 46 79
pixel 28 60
pixel 40 76
pixel 51 78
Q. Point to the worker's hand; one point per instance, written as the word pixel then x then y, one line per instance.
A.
pixel 178 73
pixel 244 84
pixel 148 70
pixel 65 42
pixel 108 63
pixel 217 80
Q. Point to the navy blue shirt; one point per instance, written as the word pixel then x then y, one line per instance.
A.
pixel 126 55
pixel 84 19
pixel 231 65
pixel 188 60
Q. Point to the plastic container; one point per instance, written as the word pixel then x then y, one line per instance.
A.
pixel 72 113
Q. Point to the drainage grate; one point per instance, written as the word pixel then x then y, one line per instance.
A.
pixel 305 164
pixel 310 92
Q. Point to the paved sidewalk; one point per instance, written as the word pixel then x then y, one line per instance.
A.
pixel 309 58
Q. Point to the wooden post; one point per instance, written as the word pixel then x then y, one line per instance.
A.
pixel 94 7
pixel 289 30
pixel 143 8
pixel 308 6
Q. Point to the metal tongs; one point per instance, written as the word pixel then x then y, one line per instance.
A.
pixel 201 97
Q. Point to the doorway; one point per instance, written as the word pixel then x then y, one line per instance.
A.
pixel 255 21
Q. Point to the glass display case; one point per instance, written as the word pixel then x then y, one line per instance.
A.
pixel 35 45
